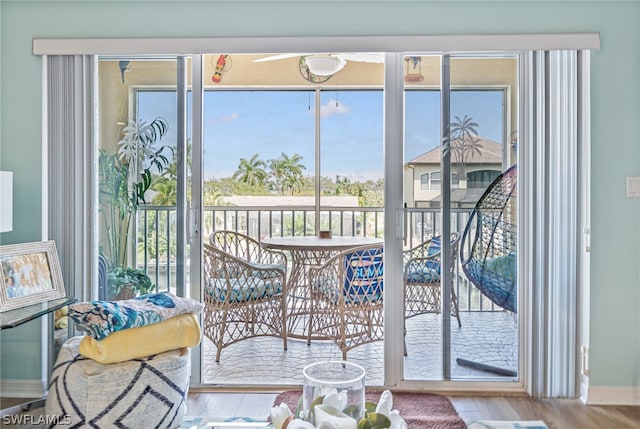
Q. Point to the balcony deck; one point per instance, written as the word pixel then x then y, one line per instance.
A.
pixel 486 337
pixel 488 334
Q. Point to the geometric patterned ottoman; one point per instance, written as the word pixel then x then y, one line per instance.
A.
pixel 141 393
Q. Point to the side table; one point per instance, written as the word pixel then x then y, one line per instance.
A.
pixel 11 319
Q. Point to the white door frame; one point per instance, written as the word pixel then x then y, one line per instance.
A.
pixel 395 47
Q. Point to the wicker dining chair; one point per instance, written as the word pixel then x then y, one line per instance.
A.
pixel 347 298
pixel 423 278
pixel 241 300
pixel 248 249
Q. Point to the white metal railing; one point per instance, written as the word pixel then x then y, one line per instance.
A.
pixel 156 238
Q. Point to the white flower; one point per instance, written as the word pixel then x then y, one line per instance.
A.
pixel 336 400
pixel 326 413
pixel 328 425
pixel 324 390
pixel 385 404
pixel 279 415
pixel 300 424
pixel 397 422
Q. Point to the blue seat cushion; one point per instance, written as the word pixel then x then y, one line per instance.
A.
pixel 243 289
pixel 503 266
pixel 421 273
pixel 266 274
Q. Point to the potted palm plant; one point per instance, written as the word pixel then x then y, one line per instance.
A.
pixel 125 177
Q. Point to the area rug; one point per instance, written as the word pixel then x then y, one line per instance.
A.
pixel 502 424
pixel 419 410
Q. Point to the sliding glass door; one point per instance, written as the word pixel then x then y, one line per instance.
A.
pixel 142 176
pixel 286 154
pixel 460 129
pixel 280 153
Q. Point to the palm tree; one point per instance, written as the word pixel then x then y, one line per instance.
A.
pixel 166 189
pixel 276 173
pixel 287 172
pixel 251 171
pixel 293 168
pixel 464 142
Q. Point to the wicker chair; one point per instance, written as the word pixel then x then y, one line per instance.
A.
pixel 248 249
pixel 347 298
pixel 241 300
pixel 422 278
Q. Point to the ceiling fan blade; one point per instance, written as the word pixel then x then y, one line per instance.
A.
pixel 366 57
pixel 277 57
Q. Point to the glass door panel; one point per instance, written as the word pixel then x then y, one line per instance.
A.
pixel 138 145
pixel 351 162
pixel 423 218
pixel 482 110
pixel 258 152
pixel 484 100
pixel 283 148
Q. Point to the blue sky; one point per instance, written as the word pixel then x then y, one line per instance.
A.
pixel 239 124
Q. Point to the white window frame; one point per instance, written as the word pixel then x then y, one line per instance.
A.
pixel 395 47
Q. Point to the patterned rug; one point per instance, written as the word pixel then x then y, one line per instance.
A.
pixel 419 410
pixel 503 424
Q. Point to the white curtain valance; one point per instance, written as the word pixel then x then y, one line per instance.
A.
pixel 252 45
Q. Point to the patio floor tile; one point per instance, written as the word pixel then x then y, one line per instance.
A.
pixel 485 337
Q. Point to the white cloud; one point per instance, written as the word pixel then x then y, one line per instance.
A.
pixel 226 118
pixel 333 107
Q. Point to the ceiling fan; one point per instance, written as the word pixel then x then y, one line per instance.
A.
pixel 326 64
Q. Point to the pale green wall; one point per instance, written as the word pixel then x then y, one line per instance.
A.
pixel 615 241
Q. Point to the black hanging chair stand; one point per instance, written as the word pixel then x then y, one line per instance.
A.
pixel 490 264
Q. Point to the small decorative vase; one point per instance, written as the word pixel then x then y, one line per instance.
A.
pixel 333 391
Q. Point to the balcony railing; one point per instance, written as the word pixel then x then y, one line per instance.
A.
pixel 156 238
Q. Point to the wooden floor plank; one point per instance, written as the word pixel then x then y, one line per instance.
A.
pixel 556 413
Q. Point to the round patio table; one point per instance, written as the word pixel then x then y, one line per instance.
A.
pixel 308 251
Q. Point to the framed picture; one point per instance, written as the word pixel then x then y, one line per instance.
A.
pixel 29 274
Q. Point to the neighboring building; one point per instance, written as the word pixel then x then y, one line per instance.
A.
pixel 266 215
pixel 422 176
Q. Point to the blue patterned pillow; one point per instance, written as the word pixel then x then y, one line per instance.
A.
pixel 364 273
pixel 101 318
pixel 324 285
pixel 435 246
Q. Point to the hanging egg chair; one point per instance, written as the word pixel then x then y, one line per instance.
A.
pixel 488 249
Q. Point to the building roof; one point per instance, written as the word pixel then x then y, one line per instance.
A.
pixel 490 153
pixel 272 200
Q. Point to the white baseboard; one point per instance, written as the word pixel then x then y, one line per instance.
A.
pixel 22 388
pixel 613 395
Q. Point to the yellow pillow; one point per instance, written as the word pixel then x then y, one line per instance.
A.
pixel 62 322
pixel 170 334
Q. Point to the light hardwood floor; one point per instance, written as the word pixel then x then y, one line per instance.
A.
pixel 556 413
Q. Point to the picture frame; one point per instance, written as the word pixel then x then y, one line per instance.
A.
pixel 29 274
